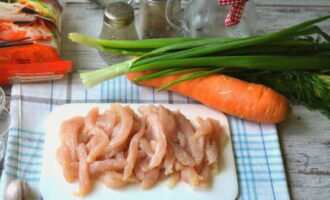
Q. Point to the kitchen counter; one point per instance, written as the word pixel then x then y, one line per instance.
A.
pixel 304 136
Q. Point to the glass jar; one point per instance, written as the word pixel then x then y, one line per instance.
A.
pixel 104 3
pixel 4 122
pixel 118 24
pixel 153 21
pixel 205 18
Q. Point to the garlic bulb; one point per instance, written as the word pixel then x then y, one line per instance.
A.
pixel 17 190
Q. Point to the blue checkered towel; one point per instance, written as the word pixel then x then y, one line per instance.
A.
pixel 257 152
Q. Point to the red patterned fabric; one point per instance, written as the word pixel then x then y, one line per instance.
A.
pixel 236 11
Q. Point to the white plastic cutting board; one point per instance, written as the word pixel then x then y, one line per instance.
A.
pixel 54 187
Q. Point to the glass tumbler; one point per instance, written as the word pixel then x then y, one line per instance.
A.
pixel 4 122
pixel 153 23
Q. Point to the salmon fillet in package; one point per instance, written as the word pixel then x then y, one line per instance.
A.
pixel 30 33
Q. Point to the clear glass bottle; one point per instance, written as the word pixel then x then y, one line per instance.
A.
pixel 118 24
pixel 104 3
pixel 153 21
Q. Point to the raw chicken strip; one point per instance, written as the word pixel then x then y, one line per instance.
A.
pixel 206 174
pixel 182 156
pixel 75 166
pixel 144 164
pixel 133 150
pixel 84 179
pixel 99 142
pixel 111 153
pixel 136 123
pixel 169 160
pixel 212 148
pixel 147 110
pixel 120 155
pixel 141 154
pixel 159 135
pixel 162 175
pixel 69 132
pixel 205 127
pixel 119 176
pixel 64 158
pixel 148 134
pixel 106 165
pixel 211 151
pixel 116 130
pixel 173 179
pixel 84 136
pixel 153 144
pixel 107 121
pixel 195 146
pixel 218 131
pixel 167 118
pixel 178 166
pixel 200 144
pixel 146 147
pixel 90 120
pixel 150 178
pixel 115 133
pixel 113 180
pixel 126 119
pixel 189 175
pixel 181 139
pixel 138 173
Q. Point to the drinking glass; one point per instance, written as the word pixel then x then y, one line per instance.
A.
pixel 4 122
pixel 104 3
pixel 205 18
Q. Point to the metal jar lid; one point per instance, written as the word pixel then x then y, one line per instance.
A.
pixel 119 14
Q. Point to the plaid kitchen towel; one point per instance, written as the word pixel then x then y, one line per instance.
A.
pixel 257 152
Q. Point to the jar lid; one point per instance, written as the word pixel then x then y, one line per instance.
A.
pixel 119 14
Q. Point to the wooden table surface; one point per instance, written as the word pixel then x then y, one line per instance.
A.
pixel 304 136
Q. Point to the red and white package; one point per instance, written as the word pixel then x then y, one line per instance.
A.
pixel 30 33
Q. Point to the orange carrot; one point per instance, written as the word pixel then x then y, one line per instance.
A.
pixel 230 95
